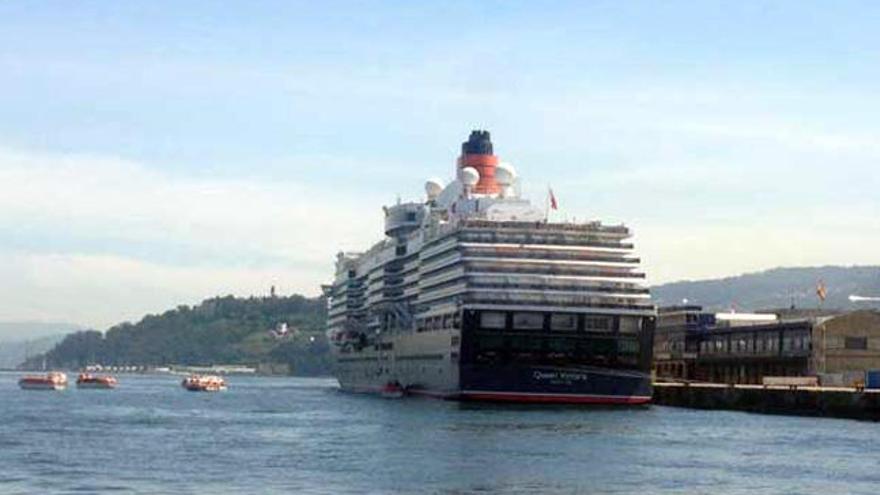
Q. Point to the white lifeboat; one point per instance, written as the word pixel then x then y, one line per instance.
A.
pixel 204 383
pixel 88 380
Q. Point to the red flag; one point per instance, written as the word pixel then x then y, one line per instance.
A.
pixel 821 290
pixel 553 203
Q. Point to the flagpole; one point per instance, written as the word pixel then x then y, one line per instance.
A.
pixel 547 206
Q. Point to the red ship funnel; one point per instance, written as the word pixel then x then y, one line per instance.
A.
pixel 476 152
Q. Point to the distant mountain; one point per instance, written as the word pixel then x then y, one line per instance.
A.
pixel 15 352
pixel 777 288
pixel 222 330
pixel 11 331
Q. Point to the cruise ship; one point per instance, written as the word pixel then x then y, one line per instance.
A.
pixel 476 294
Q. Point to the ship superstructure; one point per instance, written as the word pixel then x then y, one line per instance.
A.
pixel 473 294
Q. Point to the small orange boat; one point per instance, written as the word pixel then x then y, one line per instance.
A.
pixel 53 380
pixel 87 380
pixel 204 383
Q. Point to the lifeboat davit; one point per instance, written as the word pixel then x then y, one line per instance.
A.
pixel 204 383
pixel 50 381
pixel 87 380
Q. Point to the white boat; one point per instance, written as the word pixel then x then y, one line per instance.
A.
pixel 476 293
pixel 204 383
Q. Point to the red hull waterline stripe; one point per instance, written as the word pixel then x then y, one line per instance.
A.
pixel 522 397
pixel 532 397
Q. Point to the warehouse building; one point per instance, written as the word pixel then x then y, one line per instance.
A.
pixel 692 344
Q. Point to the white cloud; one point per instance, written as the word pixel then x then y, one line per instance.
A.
pixel 122 200
pixel 698 251
pixel 798 137
pixel 163 238
pixel 95 240
pixel 101 290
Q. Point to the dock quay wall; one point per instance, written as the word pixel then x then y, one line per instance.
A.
pixel 837 402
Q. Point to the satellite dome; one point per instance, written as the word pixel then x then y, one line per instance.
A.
pixel 433 188
pixel 470 176
pixel 505 174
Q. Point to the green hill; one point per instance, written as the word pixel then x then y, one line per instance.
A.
pixel 777 288
pixel 222 330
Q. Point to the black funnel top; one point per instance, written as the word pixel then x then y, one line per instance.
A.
pixel 480 143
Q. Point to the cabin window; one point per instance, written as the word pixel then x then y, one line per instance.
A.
pixel 628 347
pixel 490 342
pixel 856 343
pixel 489 348
pixel 528 321
pixel 524 343
pixel 596 350
pixel 492 319
pixel 597 324
pixel 630 324
pixel 561 345
pixel 563 322
pixel 787 343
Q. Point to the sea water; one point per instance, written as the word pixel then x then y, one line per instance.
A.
pixel 302 435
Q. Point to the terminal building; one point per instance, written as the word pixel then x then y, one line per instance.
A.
pixel 693 344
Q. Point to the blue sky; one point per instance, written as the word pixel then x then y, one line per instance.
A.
pixel 156 153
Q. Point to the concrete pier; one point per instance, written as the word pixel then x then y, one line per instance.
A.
pixel 837 402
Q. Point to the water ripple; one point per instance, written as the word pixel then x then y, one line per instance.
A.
pixel 288 435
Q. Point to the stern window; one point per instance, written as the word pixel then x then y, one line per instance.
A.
pixel 492 320
pixel 563 322
pixel 630 325
pixel 528 321
pixel 597 324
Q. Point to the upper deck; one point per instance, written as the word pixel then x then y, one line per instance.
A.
pixel 475 243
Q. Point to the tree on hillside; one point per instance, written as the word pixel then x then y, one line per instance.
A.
pixel 225 330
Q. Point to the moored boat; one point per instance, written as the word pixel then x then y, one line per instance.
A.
pixel 477 294
pixel 204 383
pixel 87 380
pixel 53 380
pixel 392 390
